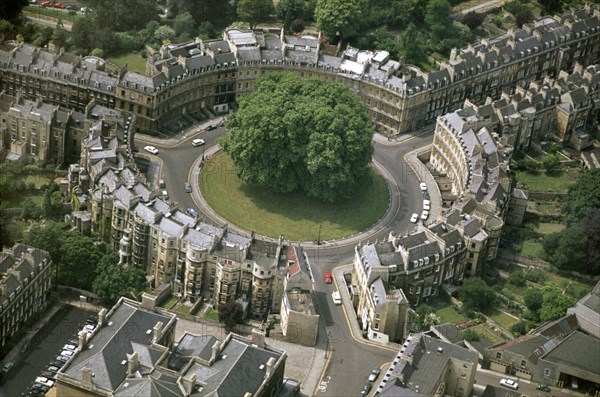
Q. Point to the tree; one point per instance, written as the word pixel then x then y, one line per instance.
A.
pixel 10 9
pixel 254 11
pixel 473 19
pixel 476 294
pixel 97 52
pixel 122 16
pixel 533 299
pixel 297 26
pixel 60 36
pixel 184 25
pixel 582 196
pixel 290 10
pixel 206 30
pixel 310 136
pixel 340 17
pixel 411 43
pixel 114 281
pixel 470 335
pixel 436 18
pixel 520 328
pixel 551 163
pixel 164 33
pixel 46 235
pixel 218 12
pixel 517 278
pixel 591 226
pixel 556 302
pixel 80 257
pixel 567 249
pixel 230 313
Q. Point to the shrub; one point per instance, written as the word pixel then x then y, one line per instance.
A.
pixel 470 335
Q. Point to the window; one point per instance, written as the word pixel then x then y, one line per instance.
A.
pixel 547 372
pixel 499 355
pixel 523 363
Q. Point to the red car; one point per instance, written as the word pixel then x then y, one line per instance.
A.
pixel 46 4
pixel 59 5
pixel 328 278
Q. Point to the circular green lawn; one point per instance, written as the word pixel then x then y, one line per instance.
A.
pixel 294 215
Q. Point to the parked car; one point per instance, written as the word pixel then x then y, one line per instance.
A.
pixel 193 212
pixel 151 149
pixel 426 207
pixel 198 142
pixel 91 321
pixel 337 299
pixel 42 380
pixel 48 374
pixel 62 359
pixel 366 389
pixel 188 187
pixel 414 218
pixel 56 363
pixel 46 4
pixel 544 388
pixel 509 383
pixel 425 195
pixel 59 5
pixel 69 347
pixel 7 367
pixel 425 215
pixel 53 369
pixel 66 353
pixel 165 195
pixel 211 127
pixel 374 374
pixel 328 279
pixel 423 186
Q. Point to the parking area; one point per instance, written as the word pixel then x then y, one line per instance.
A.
pixel 45 347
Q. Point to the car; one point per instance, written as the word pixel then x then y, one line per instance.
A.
pixel 198 142
pixel 36 392
pixel 85 9
pixel 69 347
pixel 425 195
pixel 426 202
pixel 48 374
pixel 423 186
pixel 46 4
pixel 414 218
pixel 366 389
pixel 40 387
pixel 7 367
pixel 59 5
pixel 424 215
pixel 53 369
pixel 211 127
pixel 91 321
pixel 90 327
pixel 328 279
pixel 56 363
pixel 151 149
pixel 544 388
pixel 337 299
pixel 188 187
pixel 66 353
pixel 509 383
pixel 165 195
pixel 42 380
pixel 193 212
pixel 62 359
pixel 426 207
pixel 374 374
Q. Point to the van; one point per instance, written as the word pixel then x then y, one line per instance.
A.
pixel 165 195
pixel 161 183
pixel 337 299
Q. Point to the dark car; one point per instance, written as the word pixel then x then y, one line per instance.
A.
pixel 544 388
pixel 211 127
pixel 425 195
pixel 366 389
pixel 56 363
pixel 193 212
pixel 48 374
pixel 53 369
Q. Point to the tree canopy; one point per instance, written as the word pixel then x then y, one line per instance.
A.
pixel 10 9
pixel 582 196
pixel 114 281
pixel 476 294
pixel 340 16
pixel 254 11
pixel 311 136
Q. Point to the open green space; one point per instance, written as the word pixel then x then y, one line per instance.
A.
pixel 544 182
pixel 17 202
pixel 212 315
pixel 449 315
pixel 51 12
pixel 503 319
pixel 547 208
pixel 533 249
pixel 487 334
pixel 37 180
pixel 134 61
pixel 169 303
pixel 183 309
pixel 547 228
pixel 295 216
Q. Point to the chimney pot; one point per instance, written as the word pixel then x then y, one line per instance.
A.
pixel 101 317
pixel 216 349
pixel 133 363
pixel 157 332
pixel 86 376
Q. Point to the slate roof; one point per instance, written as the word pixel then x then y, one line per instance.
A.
pixel 577 350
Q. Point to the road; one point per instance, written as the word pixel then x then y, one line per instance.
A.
pixel 45 347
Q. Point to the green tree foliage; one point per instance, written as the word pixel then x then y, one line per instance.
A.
pixel 473 19
pixel 476 294
pixel 412 47
pixel 556 302
pixel 420 318
pixel 289 10
pixel 520 328
pixel 185 26
pixel 254 11
pixel 528 165
pixel 218 12
pixel 230 313
pixel 567 249
pixel 591 226
pixel 297 26
pixel 533 299
pixel 470 335
pixel 80 257
pixel 60 36
pixel 522 11
pixel 46 235
pixel 308 135
pixel 97 52
pixel 436 18
pixel 10 9
pixel 164 33
pixel 340 16
pixel 206 31
pixel 551 163
pixel 582 196
pixel 122 16
pixel 517 278
pixel 114 281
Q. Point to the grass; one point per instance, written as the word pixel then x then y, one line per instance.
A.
pixel 169 303
pixel 547 228
pixel 295 216
pixel 544 182
pixel 533 249
pixel 212 315
pixel 50 12
pixel 134 61
pixel 547 208
pixel 37 180
pixel 503 319
pixel 17 202
pixel 449 315
pixel 487 334
pixel 183 309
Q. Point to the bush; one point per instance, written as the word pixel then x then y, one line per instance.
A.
pixel 520 328
pixel 470 335
pixel 517 278
pixel 473 19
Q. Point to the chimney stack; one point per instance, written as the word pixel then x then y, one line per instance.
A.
pixel 101 318
pixel 216 349
pixel 133 364
pixel 82 336
pixel 270 367
pixel 157 332
pixel 188 384
pixel 86 376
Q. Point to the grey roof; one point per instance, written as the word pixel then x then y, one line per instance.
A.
pixel 450 332
pixel 158 383
pixel 125 332
pixel 190 346
pixel 577 350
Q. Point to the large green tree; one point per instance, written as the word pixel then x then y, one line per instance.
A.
pixel 122 16
pixel 307 135
pixel 582 196
pixel 114 281
pixel 46 235
pixel 80 256
pixel 475 294
pixel 412 46
pixel 436 17
pixel 341 17
pixel 254 11
pixel 556 302
pixel 10 9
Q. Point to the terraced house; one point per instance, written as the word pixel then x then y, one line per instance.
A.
pixel 182 79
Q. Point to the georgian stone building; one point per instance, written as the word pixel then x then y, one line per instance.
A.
pixel 184 78
pixel 25 284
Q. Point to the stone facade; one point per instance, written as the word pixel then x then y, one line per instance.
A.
pixel 25 284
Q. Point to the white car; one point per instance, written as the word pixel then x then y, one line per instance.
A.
pixel 198 142
pixel 509 383
pixel 89 328
pixel 423 186
pixel 425 215
pixel 151 149
pixel 414 218
pixel 66 353
pixel 426 202
pixel 69 347
pixel 42 380
pixel 337 299
pixel 426 207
